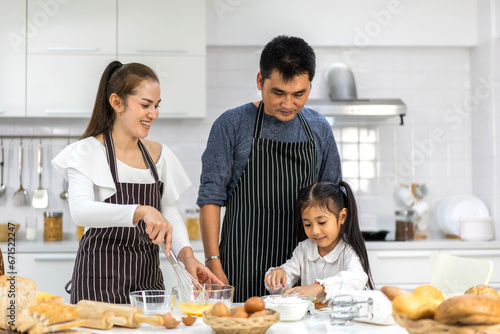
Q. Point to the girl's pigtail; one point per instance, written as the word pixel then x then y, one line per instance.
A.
pixel 352 232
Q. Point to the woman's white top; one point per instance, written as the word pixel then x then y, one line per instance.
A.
pixel 85 166
pixel 340 269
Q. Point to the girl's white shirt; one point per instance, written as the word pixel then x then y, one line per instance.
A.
pixel 340 269
pixel 84 165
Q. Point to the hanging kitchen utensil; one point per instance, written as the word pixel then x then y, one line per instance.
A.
pixel 64 195
pixel 40 196
pixel 21 197
pixel 3 188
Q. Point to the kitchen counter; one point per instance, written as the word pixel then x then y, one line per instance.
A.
pixel 311 325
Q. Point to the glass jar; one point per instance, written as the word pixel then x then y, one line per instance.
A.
pixel 52 226
pixel 193 223
pixel 405 224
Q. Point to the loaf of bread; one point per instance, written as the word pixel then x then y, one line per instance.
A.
pixel 430 291
pixel 414 306
pixel 469 309
pixel 483 290
pixel 16 293
pixel 392 292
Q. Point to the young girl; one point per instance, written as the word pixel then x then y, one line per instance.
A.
pixel 331 255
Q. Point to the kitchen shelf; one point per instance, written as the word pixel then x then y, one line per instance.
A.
pixel 39 137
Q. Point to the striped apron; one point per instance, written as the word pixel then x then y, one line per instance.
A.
pixel 258 227
pixel 113 261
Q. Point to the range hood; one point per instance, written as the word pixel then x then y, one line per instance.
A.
pixel 343 101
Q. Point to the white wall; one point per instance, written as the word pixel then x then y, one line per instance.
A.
pixel 431 81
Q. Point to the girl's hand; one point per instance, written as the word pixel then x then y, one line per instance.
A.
pixel 196 269
pixel 276 279
pixel 309 290
pixel 157 227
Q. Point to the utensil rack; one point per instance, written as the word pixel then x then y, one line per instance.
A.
pixel 39 137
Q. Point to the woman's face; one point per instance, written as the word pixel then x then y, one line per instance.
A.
pixel 140 110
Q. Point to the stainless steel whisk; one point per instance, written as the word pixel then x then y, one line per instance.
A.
pixel 187 282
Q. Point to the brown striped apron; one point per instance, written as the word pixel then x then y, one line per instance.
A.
pixel 113 261
pixel 258 227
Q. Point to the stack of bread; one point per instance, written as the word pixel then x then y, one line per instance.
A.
pixel 427 311
pixel 26 311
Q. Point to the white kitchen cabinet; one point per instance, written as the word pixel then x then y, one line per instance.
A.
pixel 59 26
pixel 182 82
pixel 63 85
pixel 50 271
pixel 406 269
pixel 351 24
pixel 12 58
pixel 161 27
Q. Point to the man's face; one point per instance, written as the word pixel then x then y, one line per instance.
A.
pixel 284 100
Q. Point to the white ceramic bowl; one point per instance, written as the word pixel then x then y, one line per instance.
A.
pixel 153 301
pixel 476 228
pixel 290 307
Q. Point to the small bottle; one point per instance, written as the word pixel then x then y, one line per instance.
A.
pixel 193 223
pixel 405 225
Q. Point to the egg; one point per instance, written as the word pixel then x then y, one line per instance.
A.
pixel 254 304
pixel 240 314
pixel 220 310
pixel 262 313
pixel 237 308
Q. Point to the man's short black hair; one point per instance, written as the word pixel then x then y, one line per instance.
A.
pixel 290 56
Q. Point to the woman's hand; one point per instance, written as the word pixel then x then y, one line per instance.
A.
pixel 276 279
pixel 196 269
pixel 309 290
pixel 157 227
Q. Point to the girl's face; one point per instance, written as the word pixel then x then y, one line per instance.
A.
pixel 139 112
pixel 322 227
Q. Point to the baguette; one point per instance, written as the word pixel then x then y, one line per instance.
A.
pixel 414 306
pixel 392 292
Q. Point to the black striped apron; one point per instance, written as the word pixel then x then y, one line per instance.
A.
pixel 113 261
pixel 258 227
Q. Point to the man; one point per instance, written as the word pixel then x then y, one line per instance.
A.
pixel 258 156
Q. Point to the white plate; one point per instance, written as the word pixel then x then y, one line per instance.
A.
pixel 453 208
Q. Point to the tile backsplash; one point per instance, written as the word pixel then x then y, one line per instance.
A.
pixel 433 146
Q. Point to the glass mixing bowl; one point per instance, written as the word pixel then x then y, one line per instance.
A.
pixel 193 301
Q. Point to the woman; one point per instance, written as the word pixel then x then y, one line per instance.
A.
pixel 124 190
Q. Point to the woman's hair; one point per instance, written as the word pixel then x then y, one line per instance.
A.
pixel 335 197
pixel 121 79
pixel 289 56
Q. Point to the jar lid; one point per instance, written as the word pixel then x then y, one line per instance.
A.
pixel 52 214
pixel 406 213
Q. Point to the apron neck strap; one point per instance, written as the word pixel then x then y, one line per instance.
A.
pixel 260 120
pixel 110 154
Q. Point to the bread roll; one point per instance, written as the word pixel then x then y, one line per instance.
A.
pixel 414 306
pixel 430 291
pixel 392 291
pixel 469 310
pixel 483 290
pixel 16 293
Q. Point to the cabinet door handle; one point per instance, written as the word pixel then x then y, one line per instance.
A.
pixel 68 49
pixel 67 112
pixel 162 50
pixel 484 253
pixel 55 257
pixel 403 255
